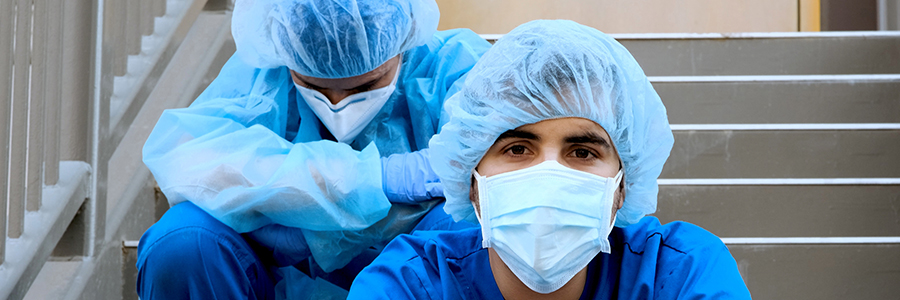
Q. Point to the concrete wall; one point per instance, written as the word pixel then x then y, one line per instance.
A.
pixel 626 16
pixel 844 15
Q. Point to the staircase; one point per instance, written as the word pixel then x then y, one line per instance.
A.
pixel 787 145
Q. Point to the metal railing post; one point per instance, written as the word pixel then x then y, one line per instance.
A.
pixel 18 138
pixel 147 17
pixel 52 94
pixel 34 173
pixel 116 27
pixel 133 27
pixel 7 17
pixel 99 159
pixel 159 8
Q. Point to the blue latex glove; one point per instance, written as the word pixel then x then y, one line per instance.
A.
pixel 286 245
pixel 408 178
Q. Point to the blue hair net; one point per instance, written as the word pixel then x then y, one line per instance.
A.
pixel 553 69
pixel 330 38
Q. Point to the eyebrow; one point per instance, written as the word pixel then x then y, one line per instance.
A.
pixel 588 137
pixel 521 134
pixel 309 85
pixel 367 85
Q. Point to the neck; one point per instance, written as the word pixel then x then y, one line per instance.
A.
pixel 513 288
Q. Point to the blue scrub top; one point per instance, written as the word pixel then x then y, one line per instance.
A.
pixel 648 261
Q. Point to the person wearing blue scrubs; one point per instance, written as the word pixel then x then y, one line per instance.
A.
pixel 554 147
pixel 307 154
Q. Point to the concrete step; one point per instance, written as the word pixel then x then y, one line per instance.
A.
pixel 765 53
pixel 54 280
pixel 786 107
pixel 781 99
pixel 820 271
pixel 784 154
pixel 784 210
pixel 59 277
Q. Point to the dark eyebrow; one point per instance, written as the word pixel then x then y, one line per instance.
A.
pixel 521 134
pixel 309 85
pixel 588 137
pixel 367 85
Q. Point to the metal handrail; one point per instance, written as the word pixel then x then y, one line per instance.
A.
pixel 492 37
pixel 775 181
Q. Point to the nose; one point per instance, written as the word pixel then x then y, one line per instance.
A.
pixel 558 154
pixel 551 154
pixel 335 96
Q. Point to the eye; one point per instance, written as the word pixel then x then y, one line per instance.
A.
pixel 517 150
pixel 309 85
pixel 364 88
pixel 583 153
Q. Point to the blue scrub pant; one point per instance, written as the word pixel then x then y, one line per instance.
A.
pixel 188 254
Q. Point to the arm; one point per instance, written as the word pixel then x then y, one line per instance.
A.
pixel 226 153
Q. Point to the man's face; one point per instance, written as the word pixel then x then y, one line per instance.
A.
pixel 336 89
pixel 576 143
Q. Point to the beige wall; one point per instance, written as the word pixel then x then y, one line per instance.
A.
pixel 632 16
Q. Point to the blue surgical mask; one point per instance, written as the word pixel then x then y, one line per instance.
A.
pixel 546 222
pixel 346 119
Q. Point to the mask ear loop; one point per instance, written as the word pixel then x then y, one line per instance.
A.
pixel 612 190
pixel 483 202
pixel 616 181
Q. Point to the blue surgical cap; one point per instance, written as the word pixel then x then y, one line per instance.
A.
pixel 330 38
pixel 554 69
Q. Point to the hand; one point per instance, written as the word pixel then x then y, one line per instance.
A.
pixel 408 178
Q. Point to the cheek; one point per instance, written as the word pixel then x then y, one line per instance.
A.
pixel 488 166
pixel 608 168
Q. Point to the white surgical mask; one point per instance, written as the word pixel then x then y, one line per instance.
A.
pixel 346 119
pixel 546 222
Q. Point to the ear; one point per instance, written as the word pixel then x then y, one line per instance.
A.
pixel 619 197
pixel 473 194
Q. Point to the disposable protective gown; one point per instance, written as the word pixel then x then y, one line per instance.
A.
pixel 250 152
pixel 648 261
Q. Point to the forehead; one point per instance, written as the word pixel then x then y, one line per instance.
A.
pixel 564 127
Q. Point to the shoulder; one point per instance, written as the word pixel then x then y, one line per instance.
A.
pixel 687 261
pixel 238 79
pixel 434 71
pixel 448 47
pixel 428 250
pixel 679 236
pixel 431 244
pixel 455 38
pixel 416 266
